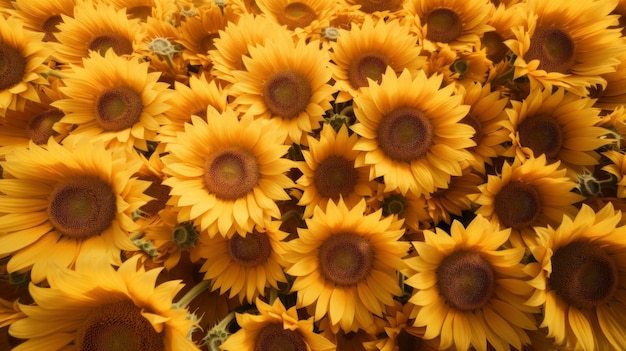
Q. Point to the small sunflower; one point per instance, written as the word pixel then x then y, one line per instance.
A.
pixel 345 264
pixel 275 328
pixel 525 195
pixel 98 308
pixel 612 95
pixel 226 174
pixel 410 133
pixel 502 18
pixel 43 16
pixel 67 203
pixel 617 168
pixel 143 9
pixel 579 280
pixel 389 9
pixel 303 17
pixel 113 98
pixel 291 89
pixel 460 68
pixel 453 200
pixel 468 290
pixel 412 209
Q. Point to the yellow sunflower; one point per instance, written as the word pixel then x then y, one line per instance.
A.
pixel 366 51
pixel 114 99
pixel 460 68
pixel 275 328
pixel 22 66
pixel 579 280
pixel 567 46
pixel 226 174
pixel 525 195
pixel 98 308
pixel 410 133
pixel 291 89
pixel 329 172
pixel 444 203
pixel 379 9
pixel 409 207
pixel 503 19
pixel 305 18
pixel 43 16
pixel 143 9
pixel 345 263
pixel 617 168
pixel 468 290
pixel 612 95
pixel 67 203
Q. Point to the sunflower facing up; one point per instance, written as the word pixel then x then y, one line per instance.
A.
pixel 345 264
pixel 410 132
pixel 226 174
pixel 468 290
pixel 67 203
pixel 95 307
pixel 579 280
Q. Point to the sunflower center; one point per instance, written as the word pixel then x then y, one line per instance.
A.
pixel 583 274
pixel 345 258
pixel 273 337
pixel 12 66
pixel 466 280
pixel 40 127
pixel 542 134
pixel 405 134
pixel 139 12
pixel 370 65
pixel 443 25
pixel 554 49
pixel 49 27
pixel 119 44
pixel 287 93
pixel 252 250
pixel 82 207
pixel 296 15
pixel 335 176
pixel 118 326
pixel 118 108
pixel 496 50
pixel 371 6
pixel 474 123
pixel 231 174
pixel 517 205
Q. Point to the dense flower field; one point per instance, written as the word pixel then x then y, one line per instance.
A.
pixel 312 175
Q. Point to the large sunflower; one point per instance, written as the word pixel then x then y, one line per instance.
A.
pixel 410 132
pixel 226 174
pixel 67 203
pixel 345 263
pixel 98 308
pixel 292 88
pixel 305 18
pixel 579 280
pixel 43 16
pixel 113 98
pixel 468 290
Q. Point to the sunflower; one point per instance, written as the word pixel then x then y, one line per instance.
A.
pixel 67 203
pixel 408 207
pixel 291 89
pixel 525 195
pixel 345 262
pixel 612 95
pixel 389 9
pixel 143 9
pixel 567 46
pixel 453 200
pixel 43 16
pixel 226 174
pixel 22 66
pixel 113 98
pixel 329 172
pixel 305 18
pixel 367 50
pixel 579 280
pixel 617 168
pixel 502 18
pixel 410 133
pixel 275 328
pixel 468 290
pixel 96 307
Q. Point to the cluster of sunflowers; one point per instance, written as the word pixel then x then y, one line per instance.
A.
pixel 312 175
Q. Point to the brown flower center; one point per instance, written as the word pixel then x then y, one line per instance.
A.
pixel 370 65
pixel 120 44
pixel 496 50
pixel 371 6
pixel 12 66
pixel 231 173
pixel 474 123
pixel 583 274
pixel 252 250
pixel 346 258
pixel 40 127
pixel 118 108
pixel 554 49
pixel 118 326
pixel 139 12
pixel 517 205
pixel 466 280
pixel 296 15
pixel 287 93
pixel 335 176
pixel 49 27
pixel 405 134
pixel 443 25
pixel 273 337
pixel 542 134
pixel 82 207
